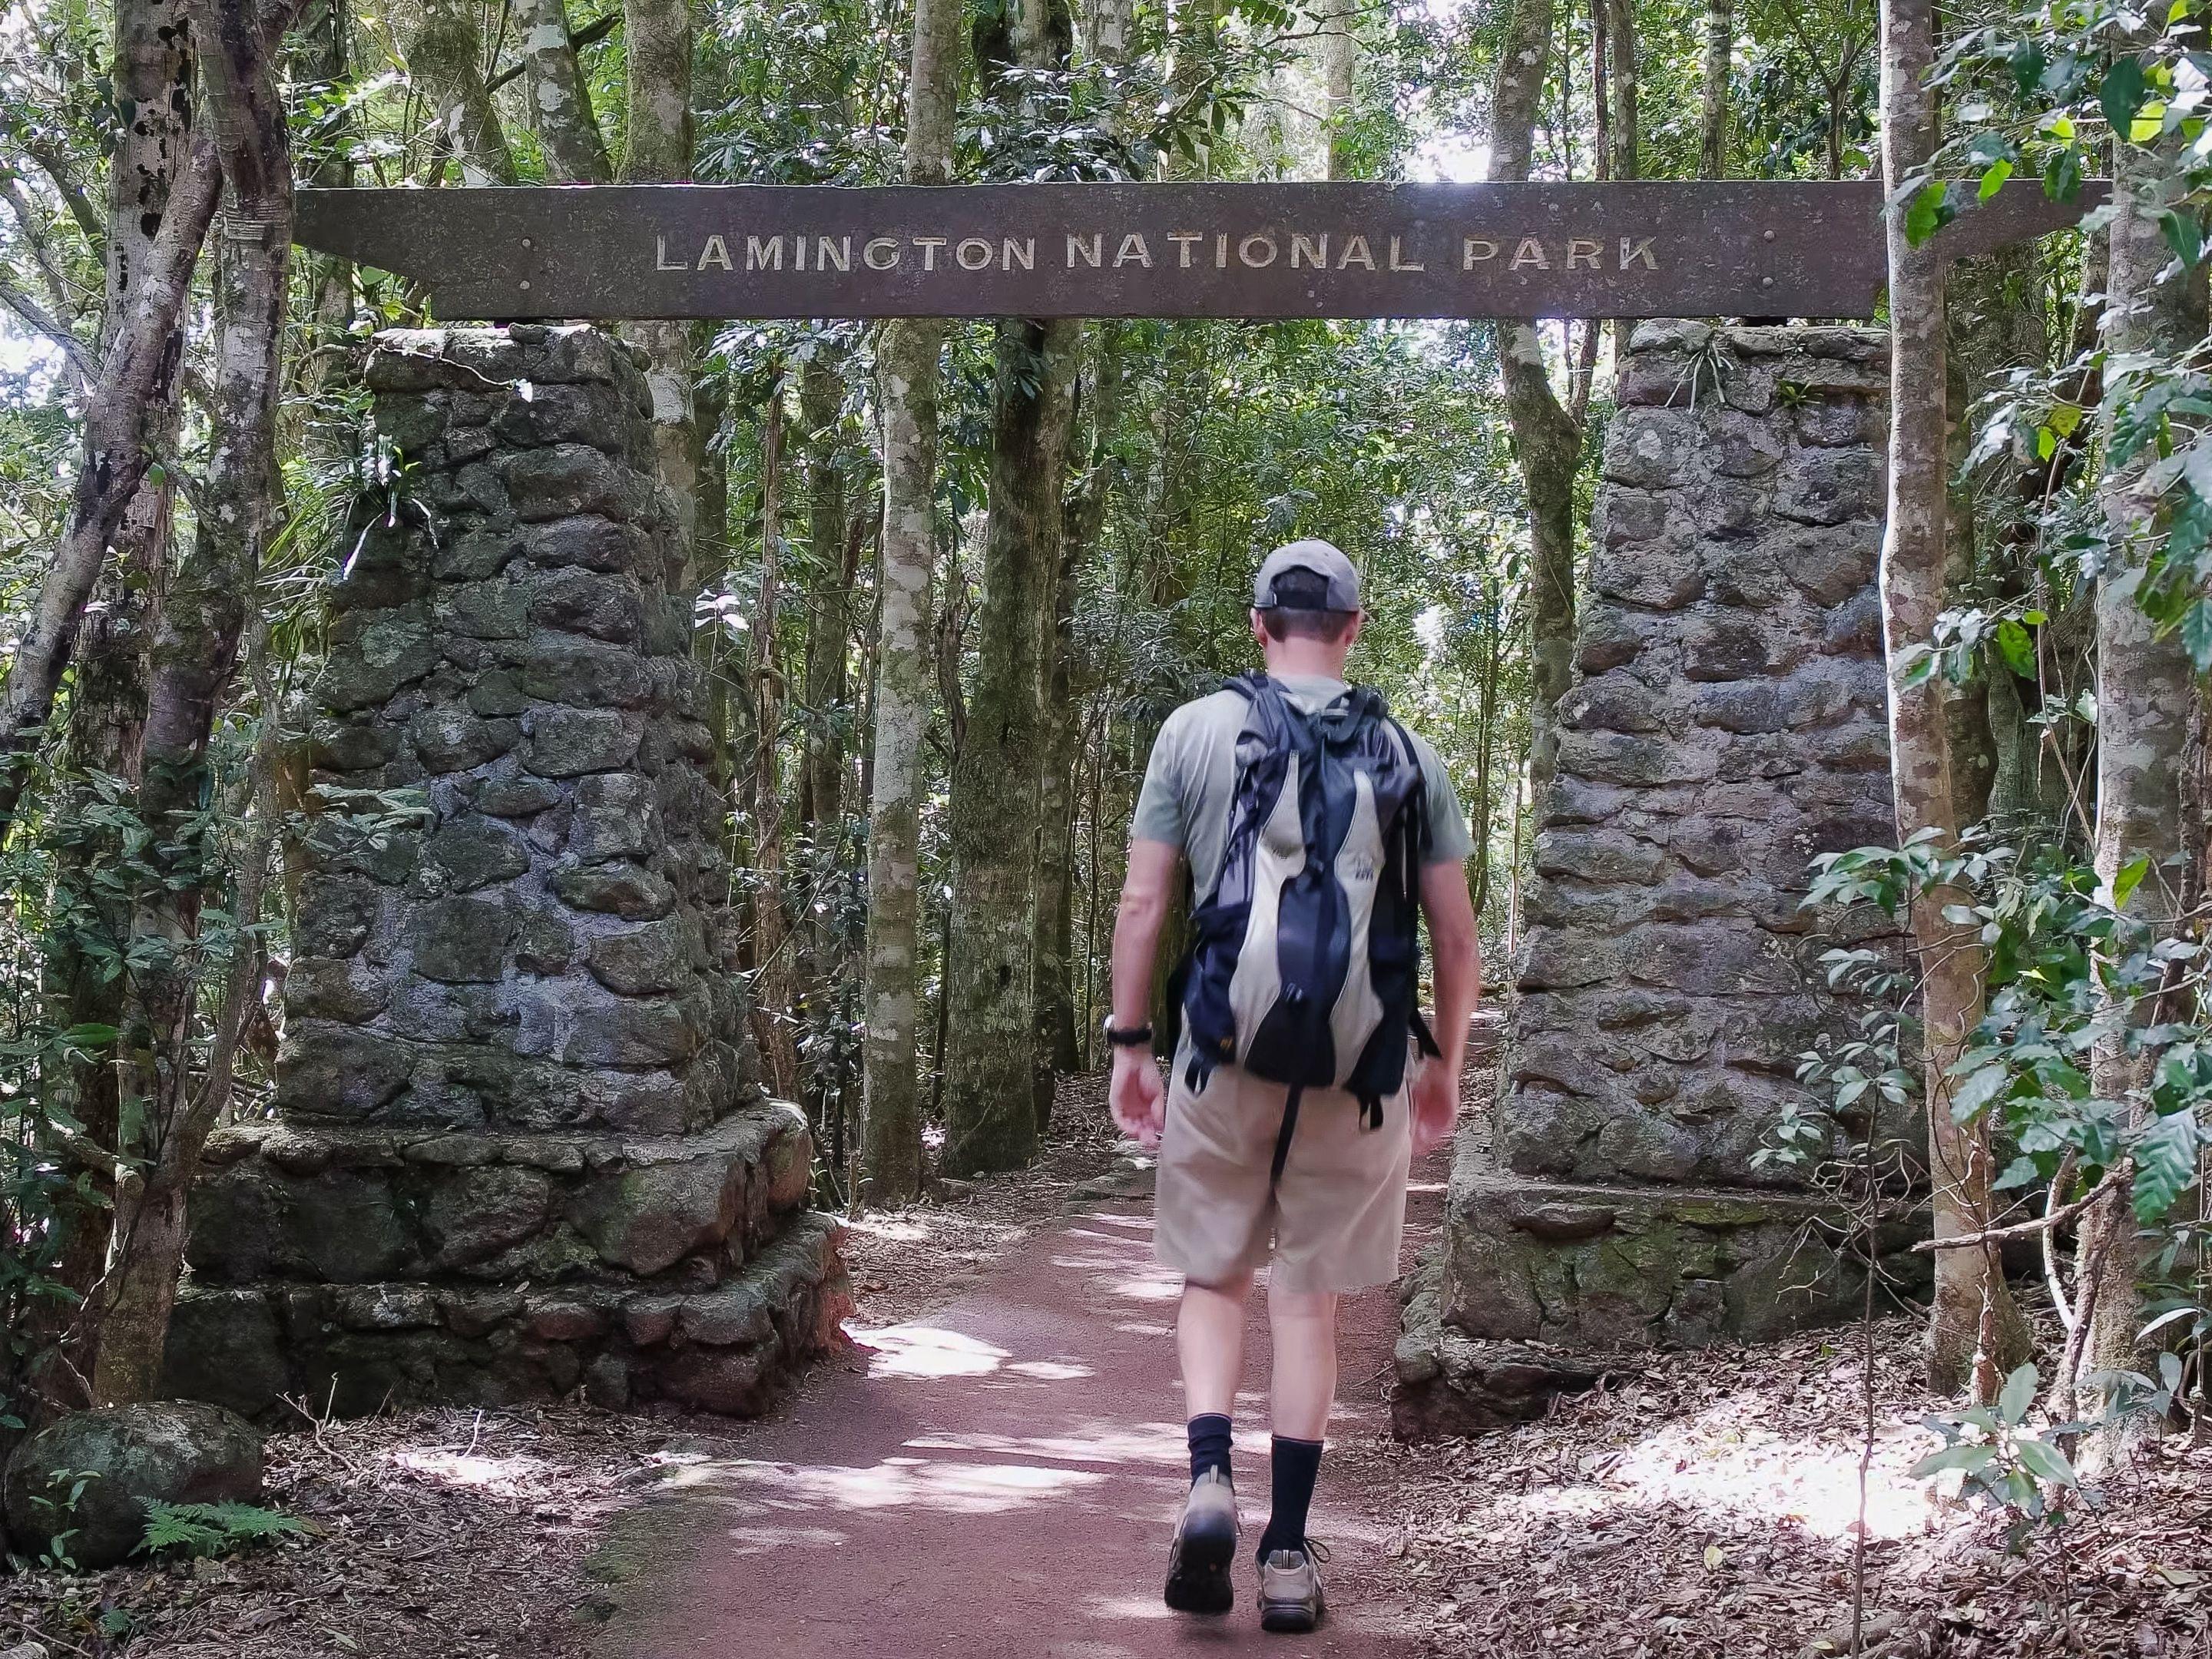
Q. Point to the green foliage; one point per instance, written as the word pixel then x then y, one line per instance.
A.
pixel 2047 90
pixel 210 1529
pixel 1996 1453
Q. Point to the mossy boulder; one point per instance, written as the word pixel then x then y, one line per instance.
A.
pixel 170 1451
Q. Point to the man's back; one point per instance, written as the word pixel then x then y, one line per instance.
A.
pixel 1191 781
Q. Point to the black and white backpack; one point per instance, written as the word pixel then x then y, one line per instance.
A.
pixel 1305 968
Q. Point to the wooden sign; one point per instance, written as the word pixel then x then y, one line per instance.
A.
pixel 1743 248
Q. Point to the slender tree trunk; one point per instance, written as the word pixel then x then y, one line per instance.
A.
pixel 1545 435
pixel 156 81
pixel 445 48
pixel 1486 747
pixel 2147 694
pixel 773 977
pixel 990 1042
pixel 834 538
pixel 195 658
pixel 1713 121
pixel 1914 548
pixel 1335 25
pixel 1621 40
pixel 123 417
pixel 991 1052
pixel 907 362
pixel 560 100
pixel 657 38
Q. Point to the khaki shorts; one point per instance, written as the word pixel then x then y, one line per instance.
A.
pixel 1335 1220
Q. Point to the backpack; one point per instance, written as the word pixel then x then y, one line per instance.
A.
pixel 1304 964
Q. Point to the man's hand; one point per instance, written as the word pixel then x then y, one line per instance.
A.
pixel 1137 1097
pixel 1435 1105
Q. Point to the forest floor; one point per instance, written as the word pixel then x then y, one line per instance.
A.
pixel 1703 1510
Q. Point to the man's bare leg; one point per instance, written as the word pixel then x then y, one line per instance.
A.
pixel 1210 1342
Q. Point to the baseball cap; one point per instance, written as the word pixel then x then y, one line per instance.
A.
pixel 1319 558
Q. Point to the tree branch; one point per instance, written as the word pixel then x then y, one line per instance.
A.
pixel 2115 1176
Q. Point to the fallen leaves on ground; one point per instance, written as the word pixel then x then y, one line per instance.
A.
pixel 1706 1509
pixel 436 1534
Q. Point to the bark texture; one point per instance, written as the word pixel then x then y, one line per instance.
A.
pixel 1971 1303
pixel 156 78
pixel 122 414
pixel 659 136
pixel 1337 48
pixel 991 1059
pixel 195 659
pixel 990 982
pixel 445 48
pixel 2146 693
pixel 1546 437
pixel 773 977
pixel 1713 114
pixel 906 360
pixel 560 100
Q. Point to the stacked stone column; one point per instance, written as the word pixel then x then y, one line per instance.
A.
pixel 1726 725
pixel 520 1145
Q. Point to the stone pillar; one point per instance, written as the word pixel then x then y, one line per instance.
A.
pixel 520 1143
pixel 1727 725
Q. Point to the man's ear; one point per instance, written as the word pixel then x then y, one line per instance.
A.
pixel 1358 621
pixel 1259 629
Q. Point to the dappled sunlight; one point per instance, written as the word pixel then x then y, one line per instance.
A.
pixel 1721 1462
pixel 914 1483
pixel 1724 1465
pixel 1148 1444
pixel 768 1541
pixel 926 1351
pixel 511 1476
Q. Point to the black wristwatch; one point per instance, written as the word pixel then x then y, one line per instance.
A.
pixel 1136 1036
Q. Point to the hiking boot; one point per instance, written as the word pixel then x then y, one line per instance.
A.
pixel 1289 1590
pixel 1205 1545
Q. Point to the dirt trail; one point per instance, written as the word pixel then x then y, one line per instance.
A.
pixel 996 1480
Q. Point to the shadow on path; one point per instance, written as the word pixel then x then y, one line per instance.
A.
pixel 996 1481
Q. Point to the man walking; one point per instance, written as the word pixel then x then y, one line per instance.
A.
pixel 1315 826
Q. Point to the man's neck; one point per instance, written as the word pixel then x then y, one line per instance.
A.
pixel 1316 658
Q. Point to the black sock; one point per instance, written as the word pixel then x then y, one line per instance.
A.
pixel 1296 1463
pixel 1210 1440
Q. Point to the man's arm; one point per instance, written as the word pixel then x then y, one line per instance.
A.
pixel 1455 950
pixel 1147 889
pixel 1136 1096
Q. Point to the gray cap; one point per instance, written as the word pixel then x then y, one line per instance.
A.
pixel 1319 557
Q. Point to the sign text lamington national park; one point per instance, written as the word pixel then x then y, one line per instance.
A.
pixel 1142 250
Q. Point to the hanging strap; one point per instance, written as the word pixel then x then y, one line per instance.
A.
pixel 1283 1136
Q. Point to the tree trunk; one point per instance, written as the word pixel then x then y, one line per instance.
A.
pixel 1549 442
pixel 990 1042
pixel 195 657
pixel 560 98
pixel 772 942
pixel 1337 44
pixel 834 536
pixel 2146 693
pixel 1621 40
pixel 444 51
pixel 1713 122
pixel 657 39
pixel 156 80
pixel 123 414
pixel 1967 1281
pixel 906 357
pixel 991 1052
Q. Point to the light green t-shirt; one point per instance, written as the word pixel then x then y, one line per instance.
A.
pixel 1191 781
